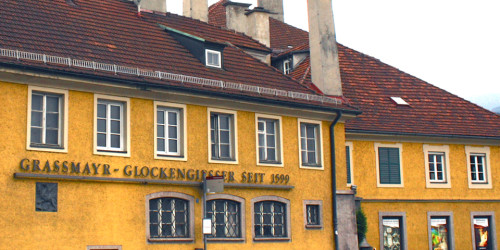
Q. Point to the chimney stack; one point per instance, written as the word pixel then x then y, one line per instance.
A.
pixel 325 68
pixel 258 25
pixel 197 9
pixel 235 16
pixel 275 6
pixel 154 5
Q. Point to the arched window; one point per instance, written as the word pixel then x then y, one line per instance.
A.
pixel 271 218
pixel 170 216
pixel 227 215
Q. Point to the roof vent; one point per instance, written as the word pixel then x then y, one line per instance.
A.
pixel 399 101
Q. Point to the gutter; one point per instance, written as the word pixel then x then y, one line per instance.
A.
pixel 334 177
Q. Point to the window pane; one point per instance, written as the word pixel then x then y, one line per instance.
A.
pixel 115 127
pixel 115 112
pixel 115 141
pixel 101 110
pixel 172 118
pixel 172 146
pixel 36 118
pixel 311 158
pixel 160 116
pixel 160 145
pixel 101 140
pixel 271 142
pixel 270 127
pixel 224 137
pixel 310 132
pixel 36 102
pixel 161 131
pixel 52 120
pixel 262 154
pixel 36 135
pixel 311 145
pixel 51 137
pixel 261 126
pixel 52 104
pixel 271 154
pixel 225 151
pixel 172 132
pixel 261 140
pixel 101 125
pixel 224 121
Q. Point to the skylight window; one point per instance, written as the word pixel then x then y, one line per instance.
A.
pixel 213 58
pixel 399 101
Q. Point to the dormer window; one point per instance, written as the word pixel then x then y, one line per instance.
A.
pixel 213 58
pixel 286 67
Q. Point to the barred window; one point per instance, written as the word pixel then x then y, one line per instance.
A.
pixel 270 219
pixel 225 215
pixel 169 218
pixel 312 215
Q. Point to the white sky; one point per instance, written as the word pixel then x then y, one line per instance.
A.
pixel 453 44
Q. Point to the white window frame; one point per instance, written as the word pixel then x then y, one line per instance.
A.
pixel 181 132
pixel 63 119
pixel 287 67
pixel 124 137
pixel 319 144
pixel 491 215
pixel 219 55
pixel 471 150
pixel 233 139
pixel 191 220
pixel 279 140
pixel 242 214
pixel 387 145
pixel 287 217
pixel 351 150
pixel 445 150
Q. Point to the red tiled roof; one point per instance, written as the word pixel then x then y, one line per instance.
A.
pixel 112 32
pixel 286 35
pixel 217 14
pixel 368 84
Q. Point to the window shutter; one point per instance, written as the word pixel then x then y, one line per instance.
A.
pixel 348 164
pixel 389 169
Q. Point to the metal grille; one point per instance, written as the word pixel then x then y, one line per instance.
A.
pixel 312 214
pixel 168 218
pixel 225 215
pixel 270 219
pixel 163 75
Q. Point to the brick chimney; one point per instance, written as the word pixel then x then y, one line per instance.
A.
pixel 154 5
pixel 325 68
pixel 274 6
pixel 197 9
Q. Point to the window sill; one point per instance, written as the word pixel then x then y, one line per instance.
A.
pixel 170 157
pixel 111 153
pixel 47 149
pixel 271 239
pixel 315 167
pixel 171 239
pixel 223 161
pixel 314 226
pixel 270 164
pixel 225 239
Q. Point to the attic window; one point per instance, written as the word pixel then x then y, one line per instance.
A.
pixel 286 67
pixel 399 101
pixel 213 58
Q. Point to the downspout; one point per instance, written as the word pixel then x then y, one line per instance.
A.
pixel 334 178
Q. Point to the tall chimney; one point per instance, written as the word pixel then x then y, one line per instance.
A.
pixel 258 25
pixel 197 9
pixel 155 5
pixel 325 68
pixel 235 16
pixel 275 6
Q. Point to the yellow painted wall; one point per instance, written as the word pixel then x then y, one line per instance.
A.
pixel 365 177
pixel 94 213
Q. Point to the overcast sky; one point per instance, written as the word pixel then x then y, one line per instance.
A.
pixel 453 44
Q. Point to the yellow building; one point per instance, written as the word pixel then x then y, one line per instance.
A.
pixel 112 118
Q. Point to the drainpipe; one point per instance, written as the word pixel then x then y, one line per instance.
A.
pixel 334 179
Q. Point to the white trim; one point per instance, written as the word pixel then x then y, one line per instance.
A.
pixel 320 143
pixel 182 134
pixel 445 149
pixel 392 145
pixel 286 70
pixel 479 150
pixel 351 158
pixel 126 133
pixel 219 55
pixel 63 126
pixel 279 147
pixel 234 135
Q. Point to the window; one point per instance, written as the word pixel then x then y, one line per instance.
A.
pixel 170 217
pixel 437 166
pixel 213 58
pixel 349 163
pixel 222 136
pixel 227 217
pixel 440 228
pixel 392 228
pixel 313 214
pixel 389 170
pixel 478 167
pixel 310 144
pixel 112 126
pixel 271 218
pixel 170 131
pixel 483 230
pixel 399 101
pixel 269 140
pixel 286 67
pixel 47 119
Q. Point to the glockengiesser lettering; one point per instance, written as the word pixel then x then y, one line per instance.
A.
pixel 104 169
